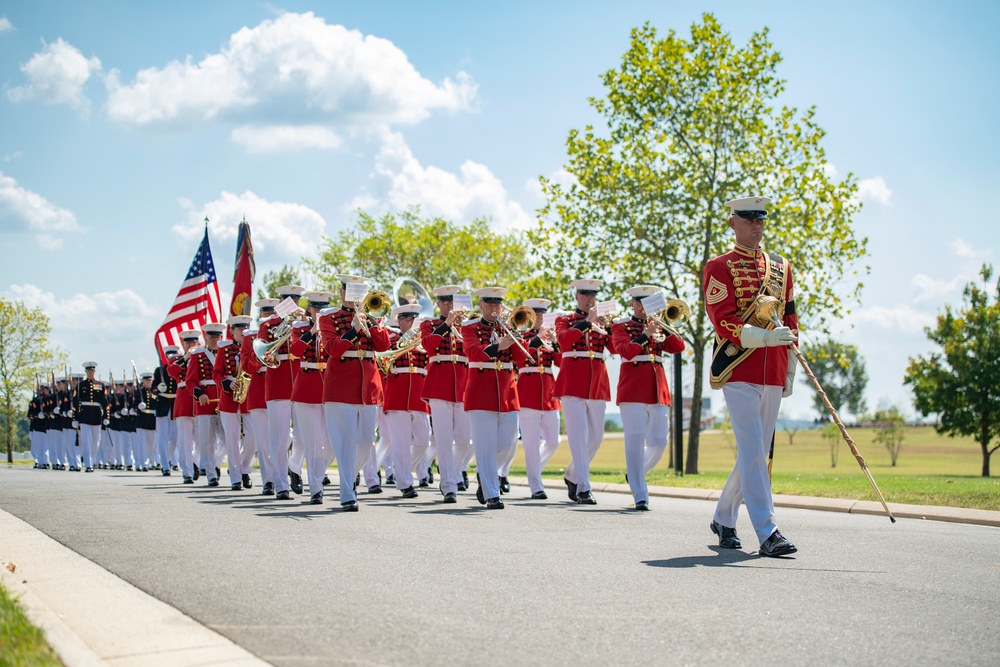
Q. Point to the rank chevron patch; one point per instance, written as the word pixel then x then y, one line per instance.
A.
pixel 715 291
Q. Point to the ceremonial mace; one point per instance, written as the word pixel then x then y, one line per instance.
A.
pixel 767 309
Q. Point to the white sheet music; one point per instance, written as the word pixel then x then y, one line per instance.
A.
pixel 655 303
pixel 462 302
pixel 607 308
pixel 355 292
pixel 286 307
pixel 549 320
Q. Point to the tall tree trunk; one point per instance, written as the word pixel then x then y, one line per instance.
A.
pixel 691 464
pixel 984 442
pixel 10 433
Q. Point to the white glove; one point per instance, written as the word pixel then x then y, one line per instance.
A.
pixel 793 364
pixel 106 422
pixel 118 414
pixel 162 387
pixel 56 411
pixel 758 337
pixel 75 424
pixel 142 406
pixel 131 412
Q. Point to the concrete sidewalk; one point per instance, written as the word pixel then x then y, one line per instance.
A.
pixel 92 618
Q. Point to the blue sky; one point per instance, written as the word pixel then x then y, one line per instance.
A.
pixel 123 124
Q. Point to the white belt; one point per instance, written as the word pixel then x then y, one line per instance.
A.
pixel 405 370
pixel 358 354
pixel 308 365
pixel 644 357
pixel 598 356
pixel 535 369
pixel 181 385
pixel 207 383
pixel 166 395
pixel 90 403
pixel 281 357
pixel 495 365
pixel 448 358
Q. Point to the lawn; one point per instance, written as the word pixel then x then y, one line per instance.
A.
pixel 21 643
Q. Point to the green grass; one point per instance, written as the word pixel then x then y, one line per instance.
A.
pixel 21 643
pixel 931 469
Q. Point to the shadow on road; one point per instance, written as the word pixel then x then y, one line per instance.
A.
pixel 721 558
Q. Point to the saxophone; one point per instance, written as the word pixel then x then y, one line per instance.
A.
pixel 241 385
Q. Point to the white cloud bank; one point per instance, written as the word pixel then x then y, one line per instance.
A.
pixel 874 191
pixel 118 315
pixel 400 181
pixel 57 75
pixel 24 210
pixel 296 64
pixel 276 138
pixel 283 229
pixel 5 25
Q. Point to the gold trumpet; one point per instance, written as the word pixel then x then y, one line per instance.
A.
pixel 675 311
pixel 520 320
pixel 407 342
pixel 376 304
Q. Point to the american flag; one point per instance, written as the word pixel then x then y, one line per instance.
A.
pixel 197 303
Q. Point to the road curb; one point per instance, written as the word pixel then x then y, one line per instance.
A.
pixel 869 507
pixel 86 612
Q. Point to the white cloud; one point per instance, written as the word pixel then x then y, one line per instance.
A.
pixel 298 63
pixel 118 315
pixel 57 75
pixel 830 169
pixel 5 25
pixel 24 210
pixel 874 191
pixel 902 318
pixel 935 289
pixel 12 156
pixel 275 138
pixel 282 229
pixel 401 181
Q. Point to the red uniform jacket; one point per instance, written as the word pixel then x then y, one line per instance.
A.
pixel 581 371
pixel 405 382
pixel 642 380
pixel 183 399
pixel 536 381
pixel 489 387
pixel 249 363
pixel 448 369
pixel 731 282
pixel 312 362
pixel 199 379
pixel 351 375
pixel 224 372
pixel 278 382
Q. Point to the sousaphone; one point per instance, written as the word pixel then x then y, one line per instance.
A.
pixel 407 290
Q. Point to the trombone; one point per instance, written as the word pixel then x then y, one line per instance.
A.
pixel 675 311
pixel 520 319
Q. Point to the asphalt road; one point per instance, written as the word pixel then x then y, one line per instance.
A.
pixel 415 582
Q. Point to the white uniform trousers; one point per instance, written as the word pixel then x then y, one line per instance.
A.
pixel 464 451
pixel 53 439
pixel 585 432
pixel 279 422
pixel 298 454
pixel 351 428
pixel 370 469
pixel 104 447
pixel 166 439
pixel 262 444
pixel 236 427
pixel 427 461
pixel 753 411
pixel 66 453
pixel 147 439
pixel 490 430
pixel 451 426
pixel 410 435
pixel 208 434
pixel 310 422
pixel 138 442
pixel 35 443
pixel 383 448
pixel 90 439
pixel 540 439
pixel 185 445
pixel 646 427
pixel 506 456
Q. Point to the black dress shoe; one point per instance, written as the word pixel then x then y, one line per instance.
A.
pixel 423 483
pixel 390 480
pixel 357 480
pixel 268 489
pixel 218 473
pixel 430 475
pixel 465 478
pixel 777 545
pixel 641 506
pixel 585 498
pixel 494 504
pixel 188 480
pixel 409 492
pixel 375 489
pixel 197 473
pixel 238 486
pixel 165 473
pixel 89 469
pixel 462 486
pixel 727 536
pixel 450 497
pixel 247 482
pixel 282 495
pixel 213 482
pixel 349 506
pixel 175 468
pixel 129 468
pixel 295 481
pixel 316 499
pixel 539 495
pixel 570 489
pixel 504 485
pixel 326 481
pixel 201 470
pixel 479 491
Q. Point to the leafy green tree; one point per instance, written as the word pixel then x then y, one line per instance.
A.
pixel 960 383
pixel 842 374
pixel 889 423
pixel 830 432
pixel 25 355
pixel 690 124
pixel 435 252
pixel 286 275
